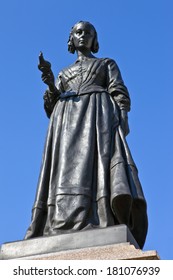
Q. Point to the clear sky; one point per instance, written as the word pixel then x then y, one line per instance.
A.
pixel 138 35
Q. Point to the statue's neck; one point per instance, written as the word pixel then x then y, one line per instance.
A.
pixel 84 54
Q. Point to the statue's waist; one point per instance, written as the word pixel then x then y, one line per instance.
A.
pixel 82 91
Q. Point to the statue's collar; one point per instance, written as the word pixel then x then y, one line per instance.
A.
pixel 84 58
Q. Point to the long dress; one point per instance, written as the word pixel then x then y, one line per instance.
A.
pixel 88 178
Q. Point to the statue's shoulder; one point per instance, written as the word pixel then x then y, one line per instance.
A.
pixel 68 69
pixel 109 60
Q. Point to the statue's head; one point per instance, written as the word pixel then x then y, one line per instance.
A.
pixel 95 44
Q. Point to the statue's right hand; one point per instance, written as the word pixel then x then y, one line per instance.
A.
pixel 48 78
pixel 47 74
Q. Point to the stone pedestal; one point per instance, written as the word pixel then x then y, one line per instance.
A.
pixel 122 251
pixel 109 243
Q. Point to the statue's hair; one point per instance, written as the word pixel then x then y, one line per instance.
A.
pixel 95 45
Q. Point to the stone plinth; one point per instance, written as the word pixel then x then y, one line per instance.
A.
pixel 122 251
pixel 114 242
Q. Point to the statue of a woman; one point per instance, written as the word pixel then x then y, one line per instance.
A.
pixel 88 178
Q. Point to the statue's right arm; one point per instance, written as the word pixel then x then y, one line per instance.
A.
pixel 52 94
pixel 50 99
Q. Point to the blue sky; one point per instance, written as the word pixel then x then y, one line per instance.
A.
pixel 138 35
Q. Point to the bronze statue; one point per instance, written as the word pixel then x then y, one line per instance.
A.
pixel 88 178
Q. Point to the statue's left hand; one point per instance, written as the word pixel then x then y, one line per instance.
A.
pixel 124 122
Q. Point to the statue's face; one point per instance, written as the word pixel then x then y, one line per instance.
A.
pixel 83 36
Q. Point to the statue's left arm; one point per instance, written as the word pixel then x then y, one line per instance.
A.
pixel 119 92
